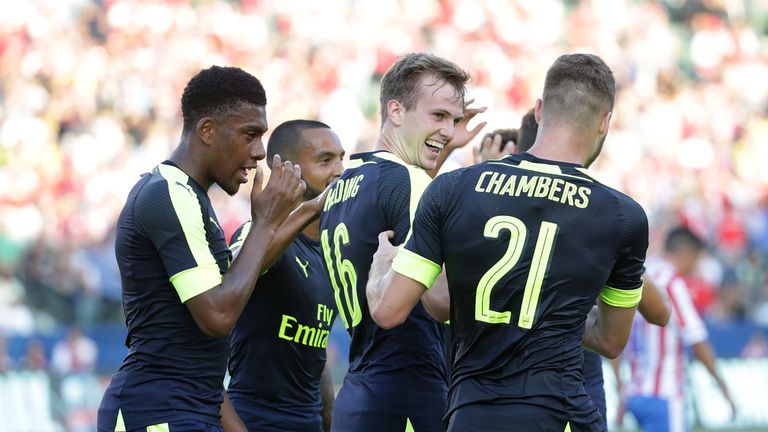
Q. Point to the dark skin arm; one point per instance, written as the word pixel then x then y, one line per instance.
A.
pixel 215 311
pixel 230 421
pixel 305 214
pixel 328 396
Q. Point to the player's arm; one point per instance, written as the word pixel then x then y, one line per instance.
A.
pixel 437 300
pixel 217 309
pixel 461 136
pixel 694 333
pixel 230 421
pixel 706 355
pixel 654 305
pixel 608 328
pixel 328 396
pixel 299 219
pixel 391 296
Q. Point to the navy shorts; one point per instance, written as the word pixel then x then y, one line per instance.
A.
pixel 519 417
pixel 364 408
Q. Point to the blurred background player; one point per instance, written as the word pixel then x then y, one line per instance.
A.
pixel 280 380
pixel 180 295
pixel 529 243
pixel 655 391
pixel 396 378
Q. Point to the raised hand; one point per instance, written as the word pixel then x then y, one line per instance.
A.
pixel 493 148
pixel 280 197
pixel 462 135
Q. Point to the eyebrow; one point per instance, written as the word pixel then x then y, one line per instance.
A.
pixel 329 154
pixel 254 126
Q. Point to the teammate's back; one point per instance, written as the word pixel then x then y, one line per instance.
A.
pixel 531 254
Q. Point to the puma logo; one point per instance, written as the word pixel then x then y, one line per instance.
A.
pixel 303 266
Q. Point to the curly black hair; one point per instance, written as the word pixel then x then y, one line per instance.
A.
pixel 217 89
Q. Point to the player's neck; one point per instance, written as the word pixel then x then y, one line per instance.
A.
pixel 312 230
pixel 563 144
pixel 186 161
pixel 391 142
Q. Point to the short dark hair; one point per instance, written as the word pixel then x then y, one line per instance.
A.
pixel 507 135
pixel 286 138
pixel 401 79
pixel 526 133
pixel 578 87
pixel 680 238
pixel 218 89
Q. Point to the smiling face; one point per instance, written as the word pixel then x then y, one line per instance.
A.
pixel 320 159
pixel 236 145
pixel 427 127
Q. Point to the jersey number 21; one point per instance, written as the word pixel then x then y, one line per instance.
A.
pixel 539 265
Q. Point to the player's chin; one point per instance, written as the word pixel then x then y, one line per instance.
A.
pixel 231 188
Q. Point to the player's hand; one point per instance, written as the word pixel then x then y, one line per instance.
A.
pixel 317 203
pixel 462 135
pixel 282 194
pixel 493 148
pixel 386 252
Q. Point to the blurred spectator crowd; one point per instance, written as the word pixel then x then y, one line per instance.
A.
pixel 89 99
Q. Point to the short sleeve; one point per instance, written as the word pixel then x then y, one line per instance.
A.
pixel 172 218
pixel 625 285
pixel 422 258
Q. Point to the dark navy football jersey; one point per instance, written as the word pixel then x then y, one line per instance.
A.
pixel 277 348
pixel 379 192
pixel 528 246
pixel 593 381
pixel 169 248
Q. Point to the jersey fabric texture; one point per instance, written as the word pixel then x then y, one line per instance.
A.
pixel 379 192
pixel 528 246
pixel 277 347
pixel 169 248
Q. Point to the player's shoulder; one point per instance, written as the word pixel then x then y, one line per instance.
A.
pixel 166 182
pixel 627 205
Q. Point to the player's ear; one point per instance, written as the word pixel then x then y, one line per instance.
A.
pixel 605 121
pixel 537 110
pixel 205 130
pixel 395 111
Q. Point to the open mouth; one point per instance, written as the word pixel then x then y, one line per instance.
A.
pixel 434 145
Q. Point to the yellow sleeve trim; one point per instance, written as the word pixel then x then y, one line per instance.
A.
pixel 621 298
pixel 196 280
pixel 416 267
